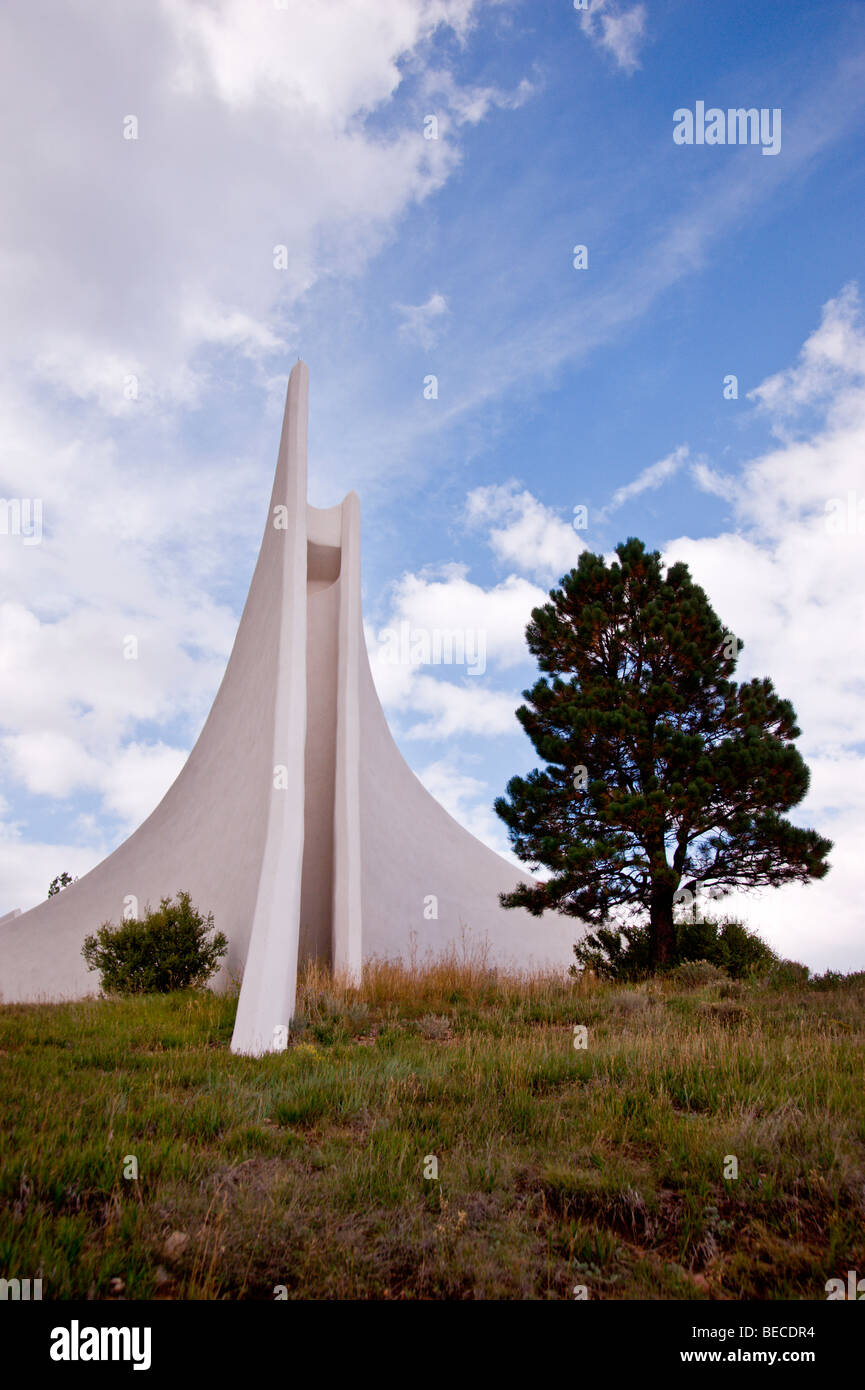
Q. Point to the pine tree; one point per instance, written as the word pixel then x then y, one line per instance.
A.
pixel 61 881
pixel 659 767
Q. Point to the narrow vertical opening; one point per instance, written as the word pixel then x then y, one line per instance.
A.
pixel 322 666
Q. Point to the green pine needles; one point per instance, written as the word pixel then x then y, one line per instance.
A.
pixel 661 771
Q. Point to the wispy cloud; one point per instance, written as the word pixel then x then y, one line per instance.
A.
pixel 676 246
pixel 708 479
pixel 523 533
pixel 421 323
pixel 466 104
pixel 789 584
pixel 651 478
pixel 833 354
pixel 620 31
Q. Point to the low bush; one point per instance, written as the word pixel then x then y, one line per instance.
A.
pixel 168 948
pixel 615 953
pixel 435 1027
pixel 786 973
pixel 625 953
pixel 730 945
pixel 836 979
pixel 695 974
pixel 725 1011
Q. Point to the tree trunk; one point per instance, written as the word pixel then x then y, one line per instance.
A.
pixel 661 918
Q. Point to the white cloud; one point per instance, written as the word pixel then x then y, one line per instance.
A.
pixel 487 625
pixel 441 706
pixel 793 592
pixel 469 105
pixel 157 264
pixel 491 621
pixel 421 322
pixel 252 133
pixel 533 538
pixel 131 782
pixel 106 571
pixel 452 601
pixel 138 778
pixel 468 800
pixel 651 478
pixel 334 59
pixel 832 357
pixel 620 31
pixel 710 480
pixel 208 323
pixel 492 365
pixel 27 866
pixel 448 709
pixel 50 764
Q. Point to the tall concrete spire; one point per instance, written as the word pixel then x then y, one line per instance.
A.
pixel 295 819
pixel 270 973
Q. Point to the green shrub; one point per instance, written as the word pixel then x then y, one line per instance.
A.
pixel 624 953
pixel 730 945
pixel 786 973
pixel 731 989
pixel 694 974
pixel 836 979
pixel 166 949
pixel 615 953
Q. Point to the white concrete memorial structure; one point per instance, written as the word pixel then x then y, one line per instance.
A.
pixel 295 819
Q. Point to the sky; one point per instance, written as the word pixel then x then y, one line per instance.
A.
pixel 197 192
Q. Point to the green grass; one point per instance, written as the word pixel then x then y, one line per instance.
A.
pixel 557 1167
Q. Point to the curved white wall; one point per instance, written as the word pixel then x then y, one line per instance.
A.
pixel 295 820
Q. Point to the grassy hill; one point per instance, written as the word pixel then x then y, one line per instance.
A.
pixel 600 1166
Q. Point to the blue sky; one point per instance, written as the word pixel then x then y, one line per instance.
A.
pixel 153 258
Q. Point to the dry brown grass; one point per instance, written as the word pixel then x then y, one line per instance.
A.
pixel 601 1166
